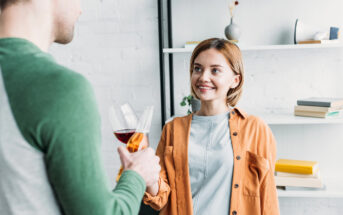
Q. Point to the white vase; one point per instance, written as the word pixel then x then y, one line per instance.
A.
pixel 232 31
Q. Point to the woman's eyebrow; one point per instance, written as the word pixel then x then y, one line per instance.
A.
pixel 213 65
pixel 216 65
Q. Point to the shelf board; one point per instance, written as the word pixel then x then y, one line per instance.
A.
pixel 333 189
pixel 283 118
pixel 290 119
pixel 263 47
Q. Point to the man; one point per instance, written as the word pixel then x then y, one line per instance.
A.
pixel 49 124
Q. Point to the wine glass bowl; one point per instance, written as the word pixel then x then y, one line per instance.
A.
pixel 124 135
pixel 124 122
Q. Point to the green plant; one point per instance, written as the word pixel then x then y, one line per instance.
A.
pixel 186 101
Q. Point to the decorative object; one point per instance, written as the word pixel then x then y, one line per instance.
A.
pixel 192 103
pixel 304 33
pixel 232 31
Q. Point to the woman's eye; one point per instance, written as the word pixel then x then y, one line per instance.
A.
pixel 215 71
pixel 197 69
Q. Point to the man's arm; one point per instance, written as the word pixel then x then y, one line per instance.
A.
pixel 71 141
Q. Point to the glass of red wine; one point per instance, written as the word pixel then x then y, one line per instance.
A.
pixel 124 122
pixel 130 131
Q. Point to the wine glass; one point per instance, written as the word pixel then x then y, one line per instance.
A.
pixel 127 130
pixel 140 139
pixel 124 122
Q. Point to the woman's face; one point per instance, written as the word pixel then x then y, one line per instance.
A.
pixel 212 76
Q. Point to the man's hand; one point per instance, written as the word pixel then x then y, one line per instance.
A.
pixel 144 162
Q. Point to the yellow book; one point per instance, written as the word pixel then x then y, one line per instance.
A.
pixel 191 44
pixel 296 166
pixel 318 41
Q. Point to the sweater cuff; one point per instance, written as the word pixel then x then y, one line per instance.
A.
pixel 134 181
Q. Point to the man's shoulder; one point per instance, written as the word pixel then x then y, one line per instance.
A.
pixel 53 73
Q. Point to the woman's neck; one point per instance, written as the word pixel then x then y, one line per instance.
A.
pixel 212 108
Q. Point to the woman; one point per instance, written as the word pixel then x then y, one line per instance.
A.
pixel 219 160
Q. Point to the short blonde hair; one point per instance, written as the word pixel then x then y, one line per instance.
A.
pixel 233 56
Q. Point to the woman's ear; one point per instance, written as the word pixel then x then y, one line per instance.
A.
pixel 236 81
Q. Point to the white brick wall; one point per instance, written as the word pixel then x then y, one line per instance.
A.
pixel 116 48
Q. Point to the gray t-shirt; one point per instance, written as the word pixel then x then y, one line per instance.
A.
pixel 210 160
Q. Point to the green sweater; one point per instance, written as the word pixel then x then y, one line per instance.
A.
pixel 50 139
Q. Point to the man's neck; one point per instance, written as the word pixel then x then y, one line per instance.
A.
pixel 27 21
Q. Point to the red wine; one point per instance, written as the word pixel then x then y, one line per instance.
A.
pixel 124 135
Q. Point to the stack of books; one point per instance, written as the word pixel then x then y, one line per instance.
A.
pixel 319 107
pixel 191 44
pixel 297 174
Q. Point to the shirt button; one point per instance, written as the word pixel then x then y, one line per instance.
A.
pixel 235 133
pixel 234 212
pixel 236 186
pixel 238 157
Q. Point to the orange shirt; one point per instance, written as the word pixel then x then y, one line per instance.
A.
pixel 253 186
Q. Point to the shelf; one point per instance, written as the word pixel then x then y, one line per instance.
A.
pixel 265 47
pixel 290 119
pixel 334 189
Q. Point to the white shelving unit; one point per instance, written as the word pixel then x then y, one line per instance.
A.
pixel 263 47
pixel 333 189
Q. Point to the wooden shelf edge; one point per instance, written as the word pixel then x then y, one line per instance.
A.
pixel 263 47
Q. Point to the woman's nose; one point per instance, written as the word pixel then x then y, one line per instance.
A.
pixel 205 76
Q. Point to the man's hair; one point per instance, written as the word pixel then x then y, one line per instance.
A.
pixel 4 3
pixel 234 58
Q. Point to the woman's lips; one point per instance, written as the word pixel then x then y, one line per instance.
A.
pixel 204 88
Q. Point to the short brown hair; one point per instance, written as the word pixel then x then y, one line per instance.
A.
pixel 4 3
pixel 233 56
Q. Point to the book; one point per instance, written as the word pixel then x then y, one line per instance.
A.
pixel 292 188
pixel 333 114
pixel 191 44
pixel 233 41
pixel 318 41
pixel 298 182
pixel 296 166
pixel 317 108
pixel 321 102
pixel 286 174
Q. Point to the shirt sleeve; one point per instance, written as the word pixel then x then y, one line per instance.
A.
pixel 160 200
pixel 70 138
pixel 268 192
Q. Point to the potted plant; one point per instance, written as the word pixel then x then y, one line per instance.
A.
pixel 192 103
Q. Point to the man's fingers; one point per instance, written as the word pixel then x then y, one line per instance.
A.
pixel 124 155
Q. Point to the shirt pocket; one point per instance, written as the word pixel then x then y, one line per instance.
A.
pixel 256 168
pixel 169 164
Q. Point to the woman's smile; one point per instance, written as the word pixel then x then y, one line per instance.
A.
pixel 203 88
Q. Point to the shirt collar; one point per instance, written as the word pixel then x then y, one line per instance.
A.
pixel 240 112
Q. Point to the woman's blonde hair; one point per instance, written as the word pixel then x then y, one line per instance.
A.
pixel 233 56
